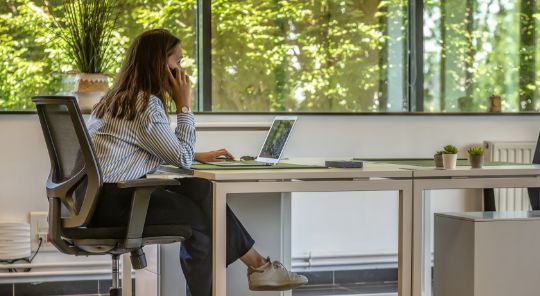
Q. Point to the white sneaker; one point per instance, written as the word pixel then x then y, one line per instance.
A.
pixel 273 276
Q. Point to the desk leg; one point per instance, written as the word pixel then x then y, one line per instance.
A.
pixel 126 275
pixel 427 258
pixel 421 259
pixel 405 242
pixel 219 248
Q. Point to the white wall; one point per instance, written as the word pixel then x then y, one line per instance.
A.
pixel 24 167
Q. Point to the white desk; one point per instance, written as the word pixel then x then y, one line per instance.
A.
pixel 426 179
pixel 373 177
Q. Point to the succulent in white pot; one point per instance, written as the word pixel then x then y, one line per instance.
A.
pixel 450 157
pixel 86 28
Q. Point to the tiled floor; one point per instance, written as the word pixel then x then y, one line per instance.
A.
pixel 68 288
pixel 377 282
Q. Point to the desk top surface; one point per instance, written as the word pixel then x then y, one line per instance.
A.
pixel 424 168
pixel 371 169
pixel 486 171
pixel 492 216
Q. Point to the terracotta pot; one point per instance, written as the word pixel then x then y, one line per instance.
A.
pixel 477 161
pixel 449 161
pixel 438 160
pixel 89 89
pixel 494 104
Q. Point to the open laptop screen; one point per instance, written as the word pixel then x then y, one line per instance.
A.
pixel 276 139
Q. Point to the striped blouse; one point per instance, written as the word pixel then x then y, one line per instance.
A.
pixel 128 150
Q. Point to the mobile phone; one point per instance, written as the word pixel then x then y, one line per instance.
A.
pixel 173 71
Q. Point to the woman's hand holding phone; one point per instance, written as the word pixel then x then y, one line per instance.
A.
pixel 181 87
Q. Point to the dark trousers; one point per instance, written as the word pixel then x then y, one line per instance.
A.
pixel 188 204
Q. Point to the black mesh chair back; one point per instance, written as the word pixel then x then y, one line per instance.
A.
pixel 534 193
pixel 75 177
pixel 75 184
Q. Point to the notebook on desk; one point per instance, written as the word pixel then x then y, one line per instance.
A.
pixel 169 169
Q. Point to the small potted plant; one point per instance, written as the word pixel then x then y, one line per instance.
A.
pixel 476 156
pixel 438 159
pixel 450 157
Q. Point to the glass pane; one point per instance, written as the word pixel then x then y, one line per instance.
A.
pixel 323 55
pixel 480 53
pixel 32 60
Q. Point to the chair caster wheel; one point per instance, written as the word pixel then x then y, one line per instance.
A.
pixel 115 292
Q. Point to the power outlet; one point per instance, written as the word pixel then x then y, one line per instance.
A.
pixel 39 228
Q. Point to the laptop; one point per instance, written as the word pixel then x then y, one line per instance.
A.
pixel 273 145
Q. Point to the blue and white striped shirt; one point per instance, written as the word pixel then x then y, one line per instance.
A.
pixel 128 150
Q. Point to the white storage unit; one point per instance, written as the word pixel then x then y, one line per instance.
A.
pixel 14 240
pixel 487 254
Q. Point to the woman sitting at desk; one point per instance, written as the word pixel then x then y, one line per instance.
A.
pixel 131 134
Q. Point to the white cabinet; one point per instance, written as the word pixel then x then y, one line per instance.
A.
pixel 487 254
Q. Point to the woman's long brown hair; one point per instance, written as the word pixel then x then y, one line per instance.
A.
pixel 142 74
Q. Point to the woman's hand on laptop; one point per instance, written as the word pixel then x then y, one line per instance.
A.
pixel 213 156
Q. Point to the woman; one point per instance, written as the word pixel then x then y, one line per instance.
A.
pixel 132 137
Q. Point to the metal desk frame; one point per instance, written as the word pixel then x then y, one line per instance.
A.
pixel 318 180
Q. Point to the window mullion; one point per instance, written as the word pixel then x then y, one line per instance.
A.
pixel 204 55
pixel 416 56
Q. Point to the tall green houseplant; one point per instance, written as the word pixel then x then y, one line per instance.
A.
pixel 86 27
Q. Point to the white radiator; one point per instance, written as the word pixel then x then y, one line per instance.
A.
pixel 511 199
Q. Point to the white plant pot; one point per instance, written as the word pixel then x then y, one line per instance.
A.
pixel 449 161
pixel 89 89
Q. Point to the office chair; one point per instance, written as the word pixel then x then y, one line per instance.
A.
pixel 74 187
pixel 534 193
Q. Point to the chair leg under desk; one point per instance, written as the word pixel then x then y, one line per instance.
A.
pixel 489 200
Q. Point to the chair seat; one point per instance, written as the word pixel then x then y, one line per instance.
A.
pixel 119 233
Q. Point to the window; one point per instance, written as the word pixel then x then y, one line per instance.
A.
pixel 308 56
pixel 333 56
pixel 474 50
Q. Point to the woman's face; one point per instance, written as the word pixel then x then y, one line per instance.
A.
pixel 173 61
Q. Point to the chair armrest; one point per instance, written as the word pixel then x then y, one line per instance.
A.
pixel 139 206
pixel 147 182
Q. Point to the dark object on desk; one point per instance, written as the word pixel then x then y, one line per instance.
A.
pixel 534 193
pixel 350 164
pixel 74 187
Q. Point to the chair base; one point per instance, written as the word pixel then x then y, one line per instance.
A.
pixel 138 259
pixel 115 292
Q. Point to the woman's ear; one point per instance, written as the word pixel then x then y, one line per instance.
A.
pixel 171 62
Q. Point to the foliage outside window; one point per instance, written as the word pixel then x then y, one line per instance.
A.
pixel 312 56
pixel 336 56
pixel 30 56
pixel 477 49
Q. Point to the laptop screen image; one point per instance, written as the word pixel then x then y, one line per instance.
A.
pixel 276 139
